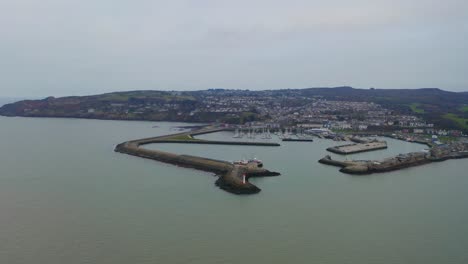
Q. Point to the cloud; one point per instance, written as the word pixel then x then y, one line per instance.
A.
pixel 64 47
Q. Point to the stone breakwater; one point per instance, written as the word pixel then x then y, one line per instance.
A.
pixel 455 150
pixel 230 175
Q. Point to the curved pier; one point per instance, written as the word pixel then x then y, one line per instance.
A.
pixel 230 175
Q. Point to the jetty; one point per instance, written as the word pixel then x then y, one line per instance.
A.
pixel 456 150
pixel 358 147
pixel 232 177
pixel 298 139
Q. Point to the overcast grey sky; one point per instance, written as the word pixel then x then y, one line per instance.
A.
pixel 74 47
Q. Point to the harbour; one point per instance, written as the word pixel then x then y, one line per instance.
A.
pixel 232 132
pixel 233 175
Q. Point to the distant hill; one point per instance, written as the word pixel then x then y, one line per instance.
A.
pixel 9 100
pixel 444 108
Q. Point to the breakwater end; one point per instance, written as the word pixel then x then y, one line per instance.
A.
pixel 232 177
pixel 455 150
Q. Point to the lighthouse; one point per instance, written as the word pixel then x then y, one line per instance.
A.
pixel 243 178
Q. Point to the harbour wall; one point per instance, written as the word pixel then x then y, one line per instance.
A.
pixel 456 150
pixel 230 175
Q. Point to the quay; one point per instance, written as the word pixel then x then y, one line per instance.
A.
pixel 402 137
pixel 358 147
pixel 232 177
pixel 455 150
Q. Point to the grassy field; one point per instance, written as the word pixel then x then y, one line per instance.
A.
pixel 444 139
pixel 462 122
pixel 447 139
pixel 125 96
pixel 415 108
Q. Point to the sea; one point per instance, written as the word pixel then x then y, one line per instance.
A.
pixel 67 197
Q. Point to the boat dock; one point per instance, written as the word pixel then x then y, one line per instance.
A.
pixel 298 139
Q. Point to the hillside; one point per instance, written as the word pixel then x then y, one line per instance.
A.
pixel 446 109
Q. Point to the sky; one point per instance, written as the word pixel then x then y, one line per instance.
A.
pixel 78 47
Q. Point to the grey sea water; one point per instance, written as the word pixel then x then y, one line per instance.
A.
pixel 66 197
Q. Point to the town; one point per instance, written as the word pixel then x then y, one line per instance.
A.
pixel 329 110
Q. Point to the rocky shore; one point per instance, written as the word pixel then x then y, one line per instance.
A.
pixel 231 176
pixel 456 150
